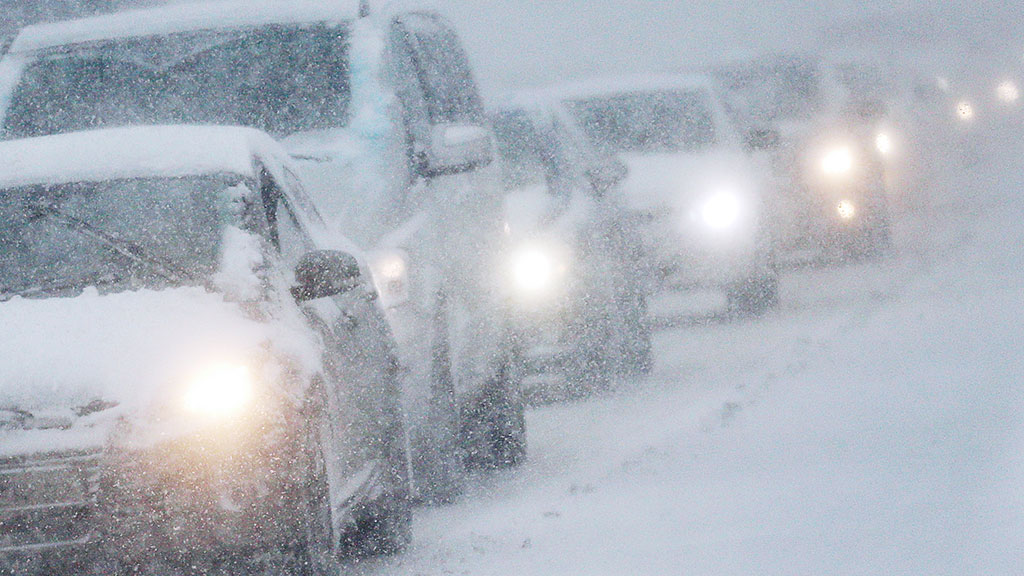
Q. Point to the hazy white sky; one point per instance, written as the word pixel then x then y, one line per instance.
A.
pixel 516 43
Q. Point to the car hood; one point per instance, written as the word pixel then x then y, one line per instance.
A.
pixel 531 211
pixel 676 182
pixel 130 350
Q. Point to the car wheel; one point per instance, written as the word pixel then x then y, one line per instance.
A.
pixel 494 427
pixel 754 296
pixel 637 353
pixel 384 527
pixel 439 474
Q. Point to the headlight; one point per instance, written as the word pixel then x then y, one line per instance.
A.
pixel 838 161
pixel 883 143
pixel 534 270
pixel 219 391
pixel 1007 92
pixel 721 211
pixel 391 274
pixel 846 209
pixel 965 110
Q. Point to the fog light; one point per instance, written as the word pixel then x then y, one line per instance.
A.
pixel 965 111
pixel 846 209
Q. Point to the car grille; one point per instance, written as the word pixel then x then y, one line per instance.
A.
pixel 47 502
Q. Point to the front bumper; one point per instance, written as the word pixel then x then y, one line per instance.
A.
pixel 693 256
pixel 48 511
pixel 175 503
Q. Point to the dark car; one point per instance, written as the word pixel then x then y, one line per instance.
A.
pixel 192 374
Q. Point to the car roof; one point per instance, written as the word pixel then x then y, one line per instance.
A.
pixel 610 86
pixel 136 152
pixel 181 18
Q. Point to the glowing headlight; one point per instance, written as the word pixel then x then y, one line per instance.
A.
pixel 721 211
pixel 223 390
pixel 533 270
pixel 965 110
pixel 846 209
pixel 837 162
pixel 883 143
pixel 1007 92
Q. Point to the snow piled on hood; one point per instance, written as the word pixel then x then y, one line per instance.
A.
pixel 133 348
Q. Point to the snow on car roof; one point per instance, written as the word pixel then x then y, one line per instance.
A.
pixel 181 18
pixel 135 152
pixel 625 84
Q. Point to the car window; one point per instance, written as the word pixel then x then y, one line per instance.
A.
pixel 442 68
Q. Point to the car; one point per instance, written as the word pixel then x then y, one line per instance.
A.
pixel 702 194
pixel 575 281
pixel 195 373
pixel 832 140
pixel 381 113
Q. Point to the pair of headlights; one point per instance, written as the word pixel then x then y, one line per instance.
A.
pixel 840 161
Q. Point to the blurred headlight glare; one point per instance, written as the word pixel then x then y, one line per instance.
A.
pixel 838 161
pixel 721 211
pixel 219 391
pixel 846 209
pixel 533 270
pixel 883 143
pixel 965 110
pixel 1007 92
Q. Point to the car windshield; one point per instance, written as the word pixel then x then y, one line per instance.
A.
pixel 646 122
pixel 778 92
pixel 281 79
pixel 115 235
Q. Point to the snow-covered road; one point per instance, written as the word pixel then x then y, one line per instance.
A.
pixel 872 425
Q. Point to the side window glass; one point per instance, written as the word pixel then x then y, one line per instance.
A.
pixel 442 69
pixel 286 233
pixel 292 239
pixel 302 200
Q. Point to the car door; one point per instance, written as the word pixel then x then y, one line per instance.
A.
pixel 363 436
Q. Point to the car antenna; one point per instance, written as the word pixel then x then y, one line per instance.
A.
pixel 364 8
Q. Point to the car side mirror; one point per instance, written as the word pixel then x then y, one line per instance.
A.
pixel 761 139
pixel 606 175
pixel 324 273
pixel 455 149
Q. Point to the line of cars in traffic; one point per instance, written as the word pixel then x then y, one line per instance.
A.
pixel 272 272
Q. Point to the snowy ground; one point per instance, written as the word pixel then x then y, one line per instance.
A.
pixel 872 425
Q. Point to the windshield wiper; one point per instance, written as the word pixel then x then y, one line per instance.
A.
pixel 127 249
pixel 59 284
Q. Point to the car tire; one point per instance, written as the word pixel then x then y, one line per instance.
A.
pixel 384 527
pixel 494 426
pixel 439 474
pixel 637 352
pixel 754 297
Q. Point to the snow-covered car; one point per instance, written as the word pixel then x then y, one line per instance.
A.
pixel 193 372
pixel 828 130
pixel 574 269
pixel 701 193
pixel 381 112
